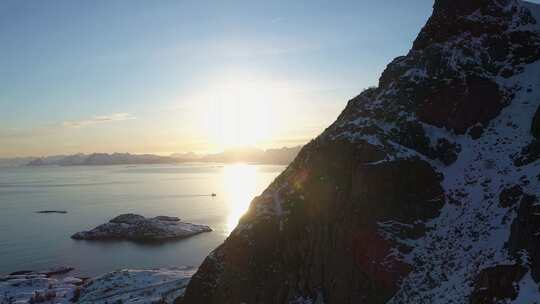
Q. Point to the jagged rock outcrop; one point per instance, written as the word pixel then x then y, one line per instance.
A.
pixel 424 190
pixel 535 125
pixel 525 232
pixel 136 227
pixel 497 283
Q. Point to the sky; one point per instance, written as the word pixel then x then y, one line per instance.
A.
pixel 177 76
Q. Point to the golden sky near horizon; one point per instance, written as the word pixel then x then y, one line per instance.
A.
pixel 177 76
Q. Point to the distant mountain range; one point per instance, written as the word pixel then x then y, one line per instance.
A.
pixel 101 159
pixel 15 162
pixel 281 156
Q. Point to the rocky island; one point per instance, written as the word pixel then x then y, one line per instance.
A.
pixel 51 211
pixel 136 227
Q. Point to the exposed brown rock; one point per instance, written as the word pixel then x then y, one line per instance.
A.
pixel 497 283
pixel 535 125
pixel 524 233
pixel 510 196
pixel 461 105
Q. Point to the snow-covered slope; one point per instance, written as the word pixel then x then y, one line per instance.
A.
pixel 133 286
pixel 136 286
pixel 37 288
pixel 424 190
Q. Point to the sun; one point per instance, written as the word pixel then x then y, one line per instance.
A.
pixel 240 116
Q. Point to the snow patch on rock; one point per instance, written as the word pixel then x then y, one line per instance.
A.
pixel 137 286
pixel 132 286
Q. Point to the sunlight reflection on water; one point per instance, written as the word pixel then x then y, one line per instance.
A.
pixel 240 186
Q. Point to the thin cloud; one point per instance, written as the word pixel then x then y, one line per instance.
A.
pixel 98 120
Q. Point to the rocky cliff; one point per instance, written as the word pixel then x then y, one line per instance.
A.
pixel 424 190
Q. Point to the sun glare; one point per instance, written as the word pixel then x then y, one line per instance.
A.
pixel 240 115
pixel 240 185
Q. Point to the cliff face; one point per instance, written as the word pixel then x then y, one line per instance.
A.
pixel 424 190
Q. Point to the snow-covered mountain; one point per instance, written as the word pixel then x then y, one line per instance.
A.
pixel 282 156
pixel 424 190
pixel 101 159
pixel 15 162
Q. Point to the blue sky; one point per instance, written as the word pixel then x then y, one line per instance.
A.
pixel 172 76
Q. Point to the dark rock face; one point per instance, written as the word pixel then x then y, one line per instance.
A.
pixel 336 200
pixel 460 105
pixel 511 196
pixel 524 233
pixel 442 25
pixel 409 196
pixel 529 154
pixel 497 283
pixel 460 6
pixel 476 132
pixel 535 125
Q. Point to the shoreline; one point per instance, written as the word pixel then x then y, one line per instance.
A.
pixel 58 286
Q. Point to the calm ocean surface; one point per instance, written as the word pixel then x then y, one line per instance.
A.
pixel 93 195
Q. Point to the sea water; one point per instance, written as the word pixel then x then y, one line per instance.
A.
pixel 92 195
